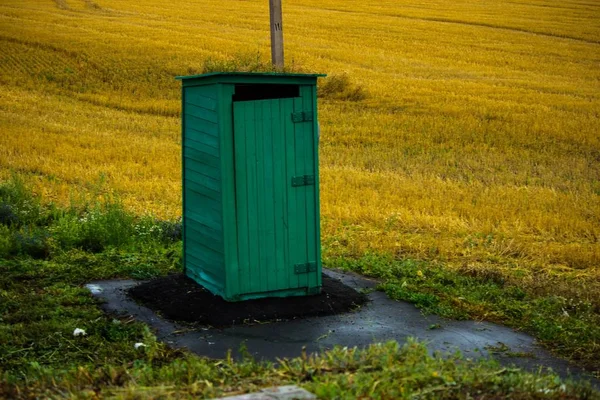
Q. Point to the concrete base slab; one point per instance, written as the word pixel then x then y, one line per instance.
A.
pixel 381 320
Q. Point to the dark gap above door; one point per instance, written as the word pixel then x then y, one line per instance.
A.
pixel 248 92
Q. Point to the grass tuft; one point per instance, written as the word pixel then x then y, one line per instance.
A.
pixel 340 87
pixel 43 231
pixel 241 62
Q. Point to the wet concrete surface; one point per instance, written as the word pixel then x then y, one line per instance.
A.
pixel 380 320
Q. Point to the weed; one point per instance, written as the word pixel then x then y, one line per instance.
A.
pixel 339 87
pixel 6 242
pixel 32 241
pixel 18 206
pixel 7 215
pixel 242 62
pixel 92 226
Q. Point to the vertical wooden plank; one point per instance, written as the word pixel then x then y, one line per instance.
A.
pixel 260 210
pixel 293 249
pixel 279 194
pixel 301 217
pixel 309 165
pixel 268 131
pixel 317 201
pixel 241 183
pixel 229 219
pixel 253 277
pixel 183 189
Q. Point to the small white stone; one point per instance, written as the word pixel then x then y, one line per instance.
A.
pixel 79 332
pixel 95 289
pixel 138 345
pixel 563 387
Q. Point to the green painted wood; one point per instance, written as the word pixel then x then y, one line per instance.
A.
pixel 295 251
pixel 210 182
pixel 197 188
pixel 301 192
pixel 212 241
pixel 318 279
pixel 201 126
pixel 210 92
pixel 206 143
pixel 251 75
pixel 275 293
pixel 246 228
pixel 207 277
pixel 214 259
pixel 284 156
pixel 227 139
pixel 201 266
pixel 249 78
pixel 268 264
pixel 281 261
pixel 184 225
pixel 215 286
pixel 208 217
pixel 250 172
pixel 262 196
pixel 206 231
pixel 260 264
pixel 200 201
pixel 311 191
pixel 201 113
pixel 203 252
pixel 203 100
pixel 196 165
pixel 241 125
pixel 203 154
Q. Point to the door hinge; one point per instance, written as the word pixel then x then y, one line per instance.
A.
pixel 303 180
pixel 304 268
pixel 302 116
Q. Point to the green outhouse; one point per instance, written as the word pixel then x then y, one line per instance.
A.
pixel 251 184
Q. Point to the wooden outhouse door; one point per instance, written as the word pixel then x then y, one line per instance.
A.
pixel 277 235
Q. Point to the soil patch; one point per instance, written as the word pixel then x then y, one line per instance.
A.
pixel 177 297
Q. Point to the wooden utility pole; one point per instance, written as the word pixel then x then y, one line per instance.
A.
pixel 276 34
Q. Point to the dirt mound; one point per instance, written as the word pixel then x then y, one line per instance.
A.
pixel 178 298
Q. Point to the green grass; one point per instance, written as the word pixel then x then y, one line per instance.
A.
pixel 382 371
pixel 47 258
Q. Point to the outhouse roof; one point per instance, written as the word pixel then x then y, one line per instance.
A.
pixel 247 77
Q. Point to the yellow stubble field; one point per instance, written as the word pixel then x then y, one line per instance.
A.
pixel 477 143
